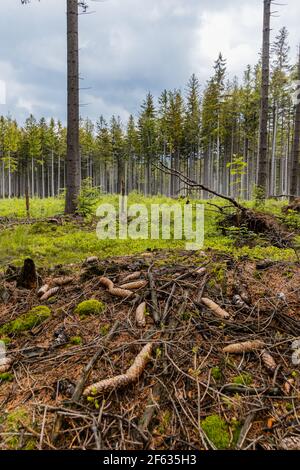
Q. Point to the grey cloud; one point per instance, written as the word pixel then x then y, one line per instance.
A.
pixel 127 48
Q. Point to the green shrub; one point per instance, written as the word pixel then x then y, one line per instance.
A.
pixel 89 307
pixel 88 198
pixel 27 321
pixel 216 430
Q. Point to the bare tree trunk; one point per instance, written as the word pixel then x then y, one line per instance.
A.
pixel 262 170
pixel 73 155
pixel 273 185
pixel 296 145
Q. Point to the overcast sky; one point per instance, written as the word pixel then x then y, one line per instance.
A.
pixel 127 48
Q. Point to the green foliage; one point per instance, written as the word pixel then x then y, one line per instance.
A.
pixel 27 321
pixel 12 425
pixel 71 243
pixel 237 169
pixel 87 198
pixel 217 431
pixel 76 340
pixel 89 307
pixel 259 195
pixel 243 236
pixel 292 220
pixel 104 329
pixel 243 379
pixel 6 377
pixel 216 373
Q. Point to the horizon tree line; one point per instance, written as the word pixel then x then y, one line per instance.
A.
pixel 212 135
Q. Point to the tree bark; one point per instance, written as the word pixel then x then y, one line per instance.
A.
pixel 296 145
pixel 262 172
pixel 73 155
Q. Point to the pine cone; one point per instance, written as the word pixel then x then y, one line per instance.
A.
pixel 290 443
pixel 247 346
pixel 268 361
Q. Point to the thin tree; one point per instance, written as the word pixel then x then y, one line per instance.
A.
pixel 262 167
pixel 296 143
pixel 73 153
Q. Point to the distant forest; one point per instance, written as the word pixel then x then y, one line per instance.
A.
pixel 209 133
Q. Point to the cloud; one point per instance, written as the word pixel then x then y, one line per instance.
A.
pixel 127 48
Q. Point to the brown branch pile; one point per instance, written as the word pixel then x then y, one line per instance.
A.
pixel 202 306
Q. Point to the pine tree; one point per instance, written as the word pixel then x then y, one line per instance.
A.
pixel 192 124
pixel 148 138
pixel 262 176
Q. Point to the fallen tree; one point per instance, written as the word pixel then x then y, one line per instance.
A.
pixel 238 214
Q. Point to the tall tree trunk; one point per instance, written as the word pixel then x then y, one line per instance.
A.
pixel 73 155
pixel 296 145
pixel 52 174
pixel 273 185
pixel 262 170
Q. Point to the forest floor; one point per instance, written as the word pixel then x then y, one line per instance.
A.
pixel 190 393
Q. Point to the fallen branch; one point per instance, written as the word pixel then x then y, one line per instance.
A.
pixel 193 184
pixel 154 302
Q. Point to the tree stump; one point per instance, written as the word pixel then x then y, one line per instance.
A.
pixel 28 276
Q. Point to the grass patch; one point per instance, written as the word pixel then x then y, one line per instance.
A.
pixel 50 244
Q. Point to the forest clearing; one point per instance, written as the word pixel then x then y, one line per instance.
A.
pixel 150 228
pixel 243 400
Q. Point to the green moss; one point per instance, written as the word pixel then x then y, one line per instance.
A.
pixel 236 427
pixel 216 430
pixel 243 379
pixel 104 329
pixel 30 445
pixel 5 340
pixel 76 340
pixel 6 377
pixel 89 307
pixel 164 422
pixel 289 406
pixel 216 373
pixel 12 424
pixel 27 321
